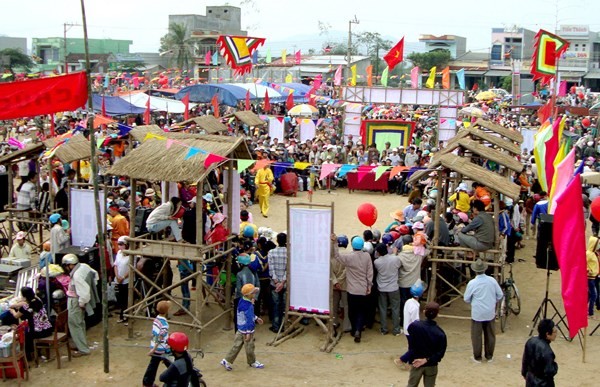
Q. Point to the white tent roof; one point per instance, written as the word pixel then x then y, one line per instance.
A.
pixel 156 103
pixel 258 90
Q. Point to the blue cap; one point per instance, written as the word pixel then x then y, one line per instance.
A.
pixel 248 232
pixel 244 259
pixel 358 243
pixel 54 218
pixel 417 290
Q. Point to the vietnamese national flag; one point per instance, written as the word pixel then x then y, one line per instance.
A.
pixel 186 102
pixel 289 102
pixel 247 100
pixel 396 55
pixel 568 235
pixel 147 112
pixel 215 105
pixel 267 105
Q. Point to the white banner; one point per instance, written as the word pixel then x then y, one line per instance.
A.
pixel 310 248
pixel 275 129
pixel 83 216
pixel 235 221
pixel 308 130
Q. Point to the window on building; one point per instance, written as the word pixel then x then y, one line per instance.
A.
pixel 55 54
pixel 576 47
pixel 496 52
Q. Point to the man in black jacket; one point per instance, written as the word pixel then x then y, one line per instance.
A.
pixel 426 347
pixel 539 366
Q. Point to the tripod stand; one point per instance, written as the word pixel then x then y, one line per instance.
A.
pixel 542 312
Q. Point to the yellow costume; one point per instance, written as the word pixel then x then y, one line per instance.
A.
pixel 263 181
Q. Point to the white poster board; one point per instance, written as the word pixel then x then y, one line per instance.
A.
pixel 310 250
pixel 308 130
pixel 276 129
pixel 235 221
pixel 83 216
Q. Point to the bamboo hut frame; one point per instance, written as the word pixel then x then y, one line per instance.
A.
pixel 249 118
pixel 147 163
pixel 325 322
pixel 209 124
pixel 469 142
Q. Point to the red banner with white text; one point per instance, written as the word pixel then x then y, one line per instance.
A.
pixel 43 96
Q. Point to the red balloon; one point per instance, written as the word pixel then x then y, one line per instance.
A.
pixel 595 208
pixel 586 122
pixel 367 214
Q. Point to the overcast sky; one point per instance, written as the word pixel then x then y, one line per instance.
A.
pixel 146 21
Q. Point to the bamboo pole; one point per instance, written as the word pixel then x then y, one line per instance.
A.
pixel 230 215
pixel 199 227
pixel 131 287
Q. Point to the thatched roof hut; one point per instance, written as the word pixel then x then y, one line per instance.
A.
pixel 152 160
pixel 209 123
pixel 492 139
pixel 30 150
pixel 490 153
pixel 512 135
pixel 139 132
pixel 75 149
pixel 249 118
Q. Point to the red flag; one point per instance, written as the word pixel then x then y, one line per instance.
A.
pixel 396 55
pixel 545 112
pixel 446 78
pixel 267 105
pixel 568 235
pixel 247 99
pixel 213 158
pixel 103 108
pixel 215 105
pixel 289 102
pixel 147 113
pixel 298 57
pixel 186 102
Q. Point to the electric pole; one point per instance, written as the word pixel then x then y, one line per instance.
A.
pixel 350 22
pixel 66 27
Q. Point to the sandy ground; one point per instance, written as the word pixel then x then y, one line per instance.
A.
pixel 299 362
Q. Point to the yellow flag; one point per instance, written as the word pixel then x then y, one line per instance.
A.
pixel 289 78
pixel 284 56
pixel 431 80
pixel 353 79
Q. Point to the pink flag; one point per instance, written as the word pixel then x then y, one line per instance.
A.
pixel 298 57
pixel 414 77
pixel 317 82
pixel 337 78
pixel 169 142
pixel 564 173
pixel 568 235
pixel 562 89
pixel 327 169
pixel 207 58
pixel 213 158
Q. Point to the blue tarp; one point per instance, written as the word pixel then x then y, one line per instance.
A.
pixel 115 106
pixel 227 94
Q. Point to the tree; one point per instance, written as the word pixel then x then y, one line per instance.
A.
pixel 12 59
pixel 375 47
pixel 180 48
pixel 506 83
pixel 427 60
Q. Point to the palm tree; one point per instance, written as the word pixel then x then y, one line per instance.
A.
pixel 15 59
pixel 180 47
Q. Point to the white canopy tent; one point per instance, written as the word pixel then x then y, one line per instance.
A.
pixel 258 91
pixel 156 103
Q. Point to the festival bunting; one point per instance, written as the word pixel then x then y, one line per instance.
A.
pixel 384 76
pixel 395 55
pixel 193 152
pixel 547 49
pixel 337 78
pixel 242 164
pixel 170 142
pixel 446 78
pixel 380 170
pixel 213 158
pixel 301 165
pixel 289 102
pixel 238 50
pixel 207 58
pixel 297 57
pixel 431 79
pixel 215 59
pixel 215 105
pixel 415 74
pixel 267 105
pixel 460 77
pixel 353 77
pixel 327 169
pixel 369 70
pixel 186 103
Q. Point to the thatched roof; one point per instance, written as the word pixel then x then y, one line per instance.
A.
pixel 249 118
pixel 139 132
pixel 30 150
pixel 152 160
pixel 209 123
pixel 491 154
pixel 76 148
pixel 501 130
pixel 474 172
pixel 494 140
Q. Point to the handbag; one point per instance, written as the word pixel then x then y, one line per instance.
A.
pixel 111 293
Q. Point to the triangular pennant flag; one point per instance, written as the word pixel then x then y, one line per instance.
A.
pixel 152 135
pixel 99 142
pixel 380 170
pixel 215 59
pixel 326 170
pixel 169 143
pixel 243 164
pixel 279 118
pixel 360 175
pixel 396 170
pixel 300 165
pixel 384 76
pixel 268 58
pixel 260 164
pixel 345 168
pixel 192 152
pixel 289 78
pixel 213 158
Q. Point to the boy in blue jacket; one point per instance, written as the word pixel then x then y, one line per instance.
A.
pixel 246 322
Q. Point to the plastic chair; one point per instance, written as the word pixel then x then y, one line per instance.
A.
pixel 59 338
pixel 17 352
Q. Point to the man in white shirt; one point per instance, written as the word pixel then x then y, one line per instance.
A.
pixel 20 249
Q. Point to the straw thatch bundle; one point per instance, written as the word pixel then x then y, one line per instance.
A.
pixel 209 123
pixel 491 154
pixel 512 135
pixel 494 140
pixel 76 148
pixel 249 118
pixel 152 161
pixel 30 150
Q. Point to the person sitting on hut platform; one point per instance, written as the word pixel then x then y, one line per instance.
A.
pixel 484 228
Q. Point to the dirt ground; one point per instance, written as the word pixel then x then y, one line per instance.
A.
pixel 299 362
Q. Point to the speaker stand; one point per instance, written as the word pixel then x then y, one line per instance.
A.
pixel 542 311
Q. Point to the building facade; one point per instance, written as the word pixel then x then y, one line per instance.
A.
pixel 16 43
pixel 456 45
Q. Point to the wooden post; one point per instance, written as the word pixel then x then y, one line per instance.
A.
pixel 11 189
pixel 199 279
pixel 130 288
pixel 229 319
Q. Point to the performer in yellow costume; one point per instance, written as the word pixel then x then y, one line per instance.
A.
pixel 263 181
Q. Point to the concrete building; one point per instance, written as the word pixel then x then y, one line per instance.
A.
pixel 52 52
pixel 9 42
pixel 580 64
pixel 457 45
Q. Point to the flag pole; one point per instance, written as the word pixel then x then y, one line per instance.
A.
pixel 555 91
pixel 584 344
